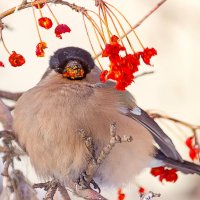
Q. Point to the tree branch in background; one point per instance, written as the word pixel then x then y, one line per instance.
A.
pixel 10 95
pixel 194 128
pixel 24 2
pixel 155 115
pixel 9 153
pixel 5 116
pixel 144 74
pixel 148 14
pixel 148 196
pixel 51 187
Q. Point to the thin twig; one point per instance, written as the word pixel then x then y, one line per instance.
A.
pixel 28 4
pixel 147 15
pixel 10 95
pixel 5 116
pixel 24 2
pixel 51 187
pixel 51 191
pixel 1 28
pixel 158 115
pixel 193 128
pixel 96 2
pixel 22 187
pixel 148 196
pixel 36 23
pixel 64 193
pixel 144 74
pixel 7 159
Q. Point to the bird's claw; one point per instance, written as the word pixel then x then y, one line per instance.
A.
pixel 95 185
pixel 81 182
pixel 84 184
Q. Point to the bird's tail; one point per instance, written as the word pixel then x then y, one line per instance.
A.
pixel 185 166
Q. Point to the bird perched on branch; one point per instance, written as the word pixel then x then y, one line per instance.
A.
pixel 71 97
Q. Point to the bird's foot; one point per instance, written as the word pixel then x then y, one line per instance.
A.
pixel 81 181
pixel 95 185
pixel 82 186
pixel 84 182
pixel 85 191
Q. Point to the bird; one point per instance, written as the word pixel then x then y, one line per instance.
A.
pixel 70 97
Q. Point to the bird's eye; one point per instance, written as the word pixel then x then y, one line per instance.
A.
pixel 74 71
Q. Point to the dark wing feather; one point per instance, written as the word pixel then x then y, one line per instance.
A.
pixel 185 166
pixel 165 143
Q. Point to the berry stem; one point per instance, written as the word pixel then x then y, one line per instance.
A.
pixel 53 14
pixel 4 45
pixel 109 10
pixel 127 23
pixel 90 40
pixel 36 24
pixel 39 8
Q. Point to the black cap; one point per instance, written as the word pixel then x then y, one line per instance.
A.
pixel 60 58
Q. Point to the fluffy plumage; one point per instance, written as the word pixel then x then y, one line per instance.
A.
pixel 48 116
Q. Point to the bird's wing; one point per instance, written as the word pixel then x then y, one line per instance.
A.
pixel 165 143
pixel 133 111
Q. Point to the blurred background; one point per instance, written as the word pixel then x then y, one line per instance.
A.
pixel 174 88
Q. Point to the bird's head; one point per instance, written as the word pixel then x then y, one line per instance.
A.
pixel 72 62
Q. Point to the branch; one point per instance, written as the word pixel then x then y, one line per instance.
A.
pixel 155 115
pixel 10 95
pixel 63 192
pixel 5 116
pixel 193 128
pixel 51 191
pixel 24 2
pixel 21 189
pixel 28 4
pixel 144 74
pixel 51 188
pixel 13 180
pixel 148 196
pixel 1 28
pixel 147 15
